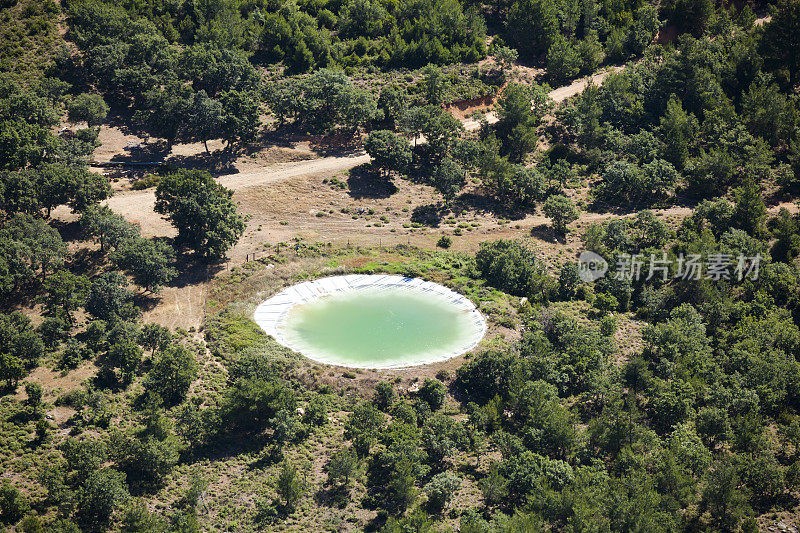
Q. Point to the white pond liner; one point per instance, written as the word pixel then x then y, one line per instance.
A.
pixel 271 315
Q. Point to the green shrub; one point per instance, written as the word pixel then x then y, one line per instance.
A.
pixel 146 182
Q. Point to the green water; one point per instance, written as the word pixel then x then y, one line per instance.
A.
pixel 392 326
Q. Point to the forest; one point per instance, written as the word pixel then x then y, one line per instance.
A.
pixel 166 165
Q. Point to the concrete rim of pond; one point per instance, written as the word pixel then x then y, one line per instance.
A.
pixel 271 315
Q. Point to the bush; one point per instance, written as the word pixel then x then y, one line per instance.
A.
pixel 289 485
pixel 433 393
pixel 512 267
pixel 440 489
pixel 444 242
pixel 146 182
pixel 13 504
pixel 384 396
pixel 605 303
pixel 608 325
pixel 342 466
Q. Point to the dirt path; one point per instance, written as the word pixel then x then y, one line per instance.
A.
pixel 577 86
pixel 135 205
pixel 556 95
pixel 296 195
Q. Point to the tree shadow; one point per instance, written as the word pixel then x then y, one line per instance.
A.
pixel 193 269
pixel 227 444
pixel 120 116
pixel 336 143
pixel 782 194
pixel 271 454
pixel 336 495
pixel 430 215
pixel 21 417
pixel 546 233
pixel 87 262
pixel 483 203
pixel 143 152
pixel 69 231
pixel 366 182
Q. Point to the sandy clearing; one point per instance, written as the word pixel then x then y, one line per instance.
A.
pixel 137 206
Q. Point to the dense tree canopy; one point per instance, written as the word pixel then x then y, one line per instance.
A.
pixel 201 210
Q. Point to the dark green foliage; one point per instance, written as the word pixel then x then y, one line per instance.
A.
pixel 389 152
pixel 172 373
pixel 109 297
pixel 89 108
pixel 34 394
pixel 781 42
pixel 100 495
pixel 257 394
pixel 66 292
pixel 83 457
pixel 148 455
pixel 517 125
pixel 787 232
pixel 363 426
pixel 533 25
pixel 289 485
pixel 29 248
pixel 240 116
pixel 201 210
pixel 107 227
pixel 50 185
pixel 53 331
pixel 20 347
pixel 13 504
pixel 693 429
pixel 440 489
pixel 155 337
pixel 148 261
pixel 385 395
pixel 563 61
pixel 124 358
pixel 510 266
pixel 136 518
pixel 433 393
pixel 626 182
pixel 494 486
pixel 441 438
pixel 449 178
pixel 165 111
pixel 561 211
pixel 323 101
pixel 342 465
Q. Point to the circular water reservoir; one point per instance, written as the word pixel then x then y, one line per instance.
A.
pixel 372 321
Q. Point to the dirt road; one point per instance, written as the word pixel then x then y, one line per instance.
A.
pixel 136 205
pixel 184 306
pixel 556 95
